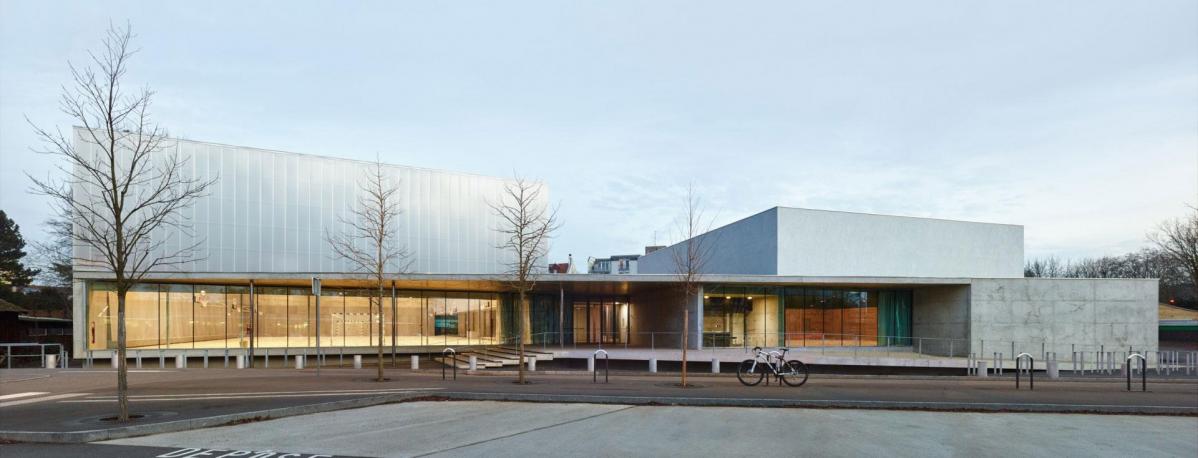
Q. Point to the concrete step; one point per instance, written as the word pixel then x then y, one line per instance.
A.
pixel 514 353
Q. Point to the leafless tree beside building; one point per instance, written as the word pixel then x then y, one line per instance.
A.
pixel 125 187
pixel 368 240
pixel 1179 240
pixel 689 260
pixel 526 224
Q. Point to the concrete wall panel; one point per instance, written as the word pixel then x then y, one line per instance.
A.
pixel 1063 315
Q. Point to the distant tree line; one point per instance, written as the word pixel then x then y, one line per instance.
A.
pixel 1172 257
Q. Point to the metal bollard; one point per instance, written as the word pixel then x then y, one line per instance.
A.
pixel 415 362
pixel 180 361
pixel 300 361
pixel 653 365
pixel 50 362
pixel 357 361
pixel 532 363
pixel 241 361
pixel 1053 371
pixel 591 363
pixel 116 361
pixel 205 359
pixel 715 365
pixel 981 369
pixel 473 362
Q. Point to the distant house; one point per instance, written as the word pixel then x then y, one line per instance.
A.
pixel 18 325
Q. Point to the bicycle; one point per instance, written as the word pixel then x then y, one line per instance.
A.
pixel 751 371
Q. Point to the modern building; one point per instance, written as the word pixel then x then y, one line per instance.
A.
pixel 785 276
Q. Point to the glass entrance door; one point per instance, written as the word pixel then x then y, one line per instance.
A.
pixel 600 320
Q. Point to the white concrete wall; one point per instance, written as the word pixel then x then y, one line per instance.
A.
pixel 748 246
pixel 940 319
pixel 1063 314
pixel 831 243
pixel 801 242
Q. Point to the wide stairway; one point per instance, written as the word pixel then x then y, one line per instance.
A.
pixel 492 357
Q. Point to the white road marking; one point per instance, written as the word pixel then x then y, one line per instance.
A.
pixel 41 399
pixel 205 397
pixel 22 395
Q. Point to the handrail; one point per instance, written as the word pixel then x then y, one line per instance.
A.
pixel 606 366
pixel 1031 371
pixel 1143 371
pixel 447 351
pixel 8 356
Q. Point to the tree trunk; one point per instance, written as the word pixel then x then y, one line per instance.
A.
pixel 380 348
pixel 685 333
pixel 520 319
pixel 122 372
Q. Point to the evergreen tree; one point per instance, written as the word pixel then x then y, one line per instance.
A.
pixel 12 249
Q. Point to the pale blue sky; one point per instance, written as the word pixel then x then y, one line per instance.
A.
pixel 1078 120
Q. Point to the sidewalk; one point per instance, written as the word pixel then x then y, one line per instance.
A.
pixel 68 406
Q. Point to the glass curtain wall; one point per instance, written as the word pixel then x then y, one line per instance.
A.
pixel 800 316
pixel 174 316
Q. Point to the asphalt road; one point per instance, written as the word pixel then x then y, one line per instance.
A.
pixel 488 429
pixel 77 400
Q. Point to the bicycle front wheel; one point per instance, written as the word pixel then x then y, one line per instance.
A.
pixel 794 373
pixel 750 374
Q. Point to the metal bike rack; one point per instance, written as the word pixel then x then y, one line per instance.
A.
pixel 1143 371
pixel 606 366
pixel 772 355
pixel 444 353
pixel 1031 371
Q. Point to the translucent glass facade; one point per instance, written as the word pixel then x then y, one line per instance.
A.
pixel 172 316
pixel 269 211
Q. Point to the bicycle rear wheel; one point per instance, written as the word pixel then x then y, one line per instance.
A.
pixel 794 373
pixel 750 374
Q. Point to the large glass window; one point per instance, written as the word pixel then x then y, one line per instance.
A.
pixel 179 320
pixel 179 316
pixel 209 317
pixel 810 316
pixel 272 317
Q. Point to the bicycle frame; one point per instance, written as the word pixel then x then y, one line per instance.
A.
pixel 772 359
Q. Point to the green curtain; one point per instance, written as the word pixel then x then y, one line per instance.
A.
pixel 894 317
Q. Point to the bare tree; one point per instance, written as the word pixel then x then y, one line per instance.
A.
pixel 124 185
pixel 1179 240
pixel 368 243
pixel 54 256
pixel 526 225
pixel 689 259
